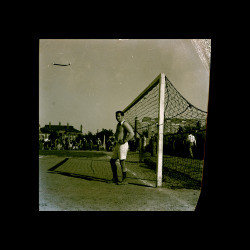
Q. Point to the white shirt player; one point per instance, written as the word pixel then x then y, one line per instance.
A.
pixel 191 138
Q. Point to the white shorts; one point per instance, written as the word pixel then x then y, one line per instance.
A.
pixel 120 151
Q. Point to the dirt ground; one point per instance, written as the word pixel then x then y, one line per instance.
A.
pixel 76 183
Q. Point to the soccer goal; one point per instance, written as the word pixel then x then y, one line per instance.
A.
pixel 169 131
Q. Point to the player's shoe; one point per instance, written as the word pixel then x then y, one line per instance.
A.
pixel 124 179
pixel 123 182
pixel 115 181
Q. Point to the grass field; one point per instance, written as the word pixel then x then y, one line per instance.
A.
pixel 80 181
pixel 178 172
pixel 72 153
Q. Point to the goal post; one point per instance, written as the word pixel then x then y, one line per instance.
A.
pixel 160 130
pixel 146 112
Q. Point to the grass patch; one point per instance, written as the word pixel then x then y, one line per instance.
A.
pixel 72 153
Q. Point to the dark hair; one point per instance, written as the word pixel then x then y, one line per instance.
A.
pixel 119 112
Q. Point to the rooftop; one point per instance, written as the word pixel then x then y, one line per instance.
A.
pixel 57 128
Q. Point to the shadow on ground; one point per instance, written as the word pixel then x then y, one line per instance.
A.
pixel 88 177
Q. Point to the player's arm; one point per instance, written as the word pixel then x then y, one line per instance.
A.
pixel 116 135
pixel 130 133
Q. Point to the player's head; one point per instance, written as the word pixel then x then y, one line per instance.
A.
pixel 119 116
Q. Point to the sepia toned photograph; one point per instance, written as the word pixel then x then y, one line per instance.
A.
pixel 122 123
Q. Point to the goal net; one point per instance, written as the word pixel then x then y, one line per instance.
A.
pixel 169 134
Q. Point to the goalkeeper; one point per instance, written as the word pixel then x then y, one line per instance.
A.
pixel 123 134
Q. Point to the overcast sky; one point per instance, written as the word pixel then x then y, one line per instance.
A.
pixel 105 75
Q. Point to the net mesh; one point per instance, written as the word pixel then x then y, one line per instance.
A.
pixel 144 111
pixel 184 139
pixel 179 112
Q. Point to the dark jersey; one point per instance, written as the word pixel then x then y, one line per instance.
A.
pixel 123 131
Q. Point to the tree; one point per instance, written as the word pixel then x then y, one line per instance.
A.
pixel 53 136
pixel 198 125
pixel 79 137
pixel 105 132
pixel 89 136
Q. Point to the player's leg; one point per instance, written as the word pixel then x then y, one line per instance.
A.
pixel 124 171
pixel 113 160
pixel 191 150
pixel 123 155
pixel 114 170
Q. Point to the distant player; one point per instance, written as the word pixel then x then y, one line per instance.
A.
pixel 191 143
pixel 98 144
pixel 123 134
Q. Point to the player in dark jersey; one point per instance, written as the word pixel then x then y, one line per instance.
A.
pixel 123 134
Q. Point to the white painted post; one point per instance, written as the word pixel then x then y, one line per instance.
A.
pixel 104 143
pixel 161 130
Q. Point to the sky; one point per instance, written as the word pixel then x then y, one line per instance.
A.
pixel 106 75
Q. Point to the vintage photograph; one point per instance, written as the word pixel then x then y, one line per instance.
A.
pixel 122 123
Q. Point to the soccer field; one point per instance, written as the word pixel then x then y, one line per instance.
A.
pixel 80 181
pixel 178 172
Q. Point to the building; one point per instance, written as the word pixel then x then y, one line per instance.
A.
pixel 63 131
pixel 172 125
